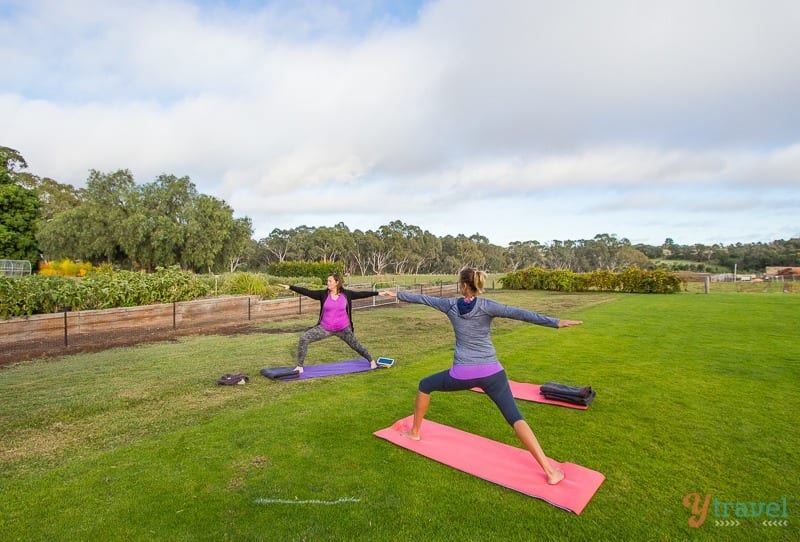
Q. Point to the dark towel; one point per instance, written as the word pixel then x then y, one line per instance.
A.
pixel 280 373
pixel 579 395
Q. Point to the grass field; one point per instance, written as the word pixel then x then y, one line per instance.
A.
pixel 696 394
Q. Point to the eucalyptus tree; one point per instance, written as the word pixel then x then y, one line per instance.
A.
pixel 607 252
pixel 301 247
pixel 493 256
pixel 561 255
pixel 426 251
pixel 328 244
pixel 414 249
pixel 395 237
pixel 469 250
pixel 524 254
pixel 450 258
pixel 379 252
pixel 277 243
pixel 238 244
pixel 363 246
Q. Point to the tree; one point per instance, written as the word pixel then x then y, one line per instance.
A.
pixel 19 210
pixel 523 254
pixel 106 207
pixel 237 245
pixel 277 243
pixel 156 229
pixel 328 244
pixel 361 249
pixel 54 197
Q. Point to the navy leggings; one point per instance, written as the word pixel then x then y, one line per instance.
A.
pixel 495 386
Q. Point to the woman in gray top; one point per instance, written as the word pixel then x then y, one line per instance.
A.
pixel 475 362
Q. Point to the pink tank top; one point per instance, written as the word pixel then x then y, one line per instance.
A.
pixel 334 314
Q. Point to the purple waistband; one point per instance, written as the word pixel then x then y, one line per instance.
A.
pixel 468 372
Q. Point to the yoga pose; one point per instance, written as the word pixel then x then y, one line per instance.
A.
pixel 335 317
pixel 475 362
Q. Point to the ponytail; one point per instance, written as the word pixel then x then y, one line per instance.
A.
pixel 475 280
pixel 480 281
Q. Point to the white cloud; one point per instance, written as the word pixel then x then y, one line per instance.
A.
pixel 325 109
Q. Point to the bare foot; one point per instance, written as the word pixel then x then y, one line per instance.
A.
pixel 299 370
pixel 408 433
pixel 373 365
pixel 555 477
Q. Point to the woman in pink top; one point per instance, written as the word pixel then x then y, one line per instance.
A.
pixel 335 317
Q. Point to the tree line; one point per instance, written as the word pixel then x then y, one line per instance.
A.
pixel 115 221
pixel 167 222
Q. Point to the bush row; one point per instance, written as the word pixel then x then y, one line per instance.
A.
pixel 632 280
pixel 41 294
pixel 103 288
pixel 320 270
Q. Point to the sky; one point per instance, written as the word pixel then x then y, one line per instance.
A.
pixel 517 120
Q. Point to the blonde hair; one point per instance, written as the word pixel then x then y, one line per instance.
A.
pixel 474 279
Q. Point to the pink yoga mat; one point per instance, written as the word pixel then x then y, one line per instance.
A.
pixel 530 392
pixel 499 463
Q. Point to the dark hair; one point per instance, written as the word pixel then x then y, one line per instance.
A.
pixel 473 278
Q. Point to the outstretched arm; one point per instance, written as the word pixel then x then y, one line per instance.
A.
pixel 360 294
pixel 439 303
pixel 516 313
pixel 313 294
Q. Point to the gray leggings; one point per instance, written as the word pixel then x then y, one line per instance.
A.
pixel 317 333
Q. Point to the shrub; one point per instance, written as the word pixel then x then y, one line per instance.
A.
pixel 631 280
pixel 321 270
pixel 41 294
pixel 248 284
pixel 66 268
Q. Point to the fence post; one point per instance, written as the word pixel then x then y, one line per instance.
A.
pixel 248 308
pixel 66 341
pixel 708 284
pixel 174 310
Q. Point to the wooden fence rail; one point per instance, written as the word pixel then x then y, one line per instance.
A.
pixel 54 334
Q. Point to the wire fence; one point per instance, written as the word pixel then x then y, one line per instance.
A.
pixel 47 335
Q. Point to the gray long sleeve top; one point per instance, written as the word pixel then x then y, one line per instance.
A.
pixel 473 329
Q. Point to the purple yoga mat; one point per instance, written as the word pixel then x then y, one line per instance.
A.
pixel 336 368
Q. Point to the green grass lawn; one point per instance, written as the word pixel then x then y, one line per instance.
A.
pixel 695 394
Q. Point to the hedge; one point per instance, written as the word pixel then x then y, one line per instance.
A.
pixel 632 280
pixel 321 270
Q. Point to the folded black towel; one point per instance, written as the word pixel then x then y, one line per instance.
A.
pixel 579 395
pixel 571 398
pixel 563 389
pixel 280 373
